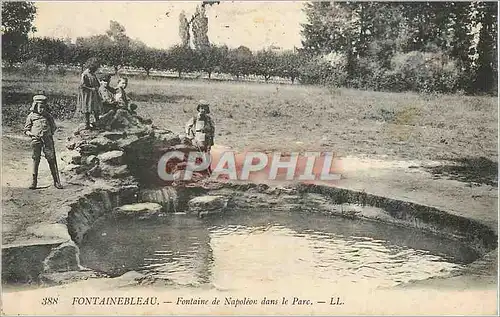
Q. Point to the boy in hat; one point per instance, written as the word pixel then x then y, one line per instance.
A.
pixel 201 128
pixel 40 126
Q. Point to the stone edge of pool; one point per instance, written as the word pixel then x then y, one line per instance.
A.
pixel 55 248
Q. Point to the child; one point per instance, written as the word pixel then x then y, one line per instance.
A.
pixel 201 128
pixel 107 94
pixel 40 126
pixel 122 99
pixel 121 95
pixel 89 101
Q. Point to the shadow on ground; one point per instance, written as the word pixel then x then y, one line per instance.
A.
pixel 470 170
pixel 158 97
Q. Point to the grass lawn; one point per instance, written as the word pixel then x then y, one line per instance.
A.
pixel 262 116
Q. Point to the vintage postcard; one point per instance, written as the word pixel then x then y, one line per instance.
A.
pixel 249 158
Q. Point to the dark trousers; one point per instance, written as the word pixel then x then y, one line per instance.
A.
pixel 45 144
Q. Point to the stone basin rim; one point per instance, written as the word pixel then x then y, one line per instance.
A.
pixel 60 255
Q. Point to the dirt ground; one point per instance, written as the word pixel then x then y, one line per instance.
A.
pixel 439 151
pixel 436 150
pixel 400 179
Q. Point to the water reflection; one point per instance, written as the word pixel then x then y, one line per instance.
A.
pixel 271 250
pixel 175 248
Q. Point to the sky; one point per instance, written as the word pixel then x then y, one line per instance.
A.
pixel 253 24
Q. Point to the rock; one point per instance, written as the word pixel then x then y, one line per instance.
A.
pixel 166 138
pixel 87 149
pixel 95 171
pixel 80 128
pixel 120 171
pixel 63 258
pixel 129 141
pixel 50 230
pixel 140 210
pixel 73 169
pixel 112 157
pixel 204 205
pixel 92 160
pixel 114 135
pixel 119 138
pixel 167 197
pixel 104 144
pixel 60 278
pixel 23 263
pixel 71 157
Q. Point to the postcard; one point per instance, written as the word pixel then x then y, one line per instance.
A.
pixel 249 158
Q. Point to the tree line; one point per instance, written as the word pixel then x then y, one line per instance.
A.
pixel 394 46
pixel 119 53
pixel 443 46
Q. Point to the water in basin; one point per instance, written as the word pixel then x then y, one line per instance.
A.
pixel 274 250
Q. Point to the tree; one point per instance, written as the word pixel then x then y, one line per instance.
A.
pixel 117 54
pixel 184 29
pixel 462 41
pixel 332 27
pixel 163 60
pixel 181 59
pixel 143 57
pixel 289 63
pixel 370 34
pixel 98 46
pixel 77 54
pixel 198 23
pixel 486 73
pixel 212 58
pixel 17 22
pixel 116 33
pixel 266 64
pixel 200 29
pixel 239 61
pixel 47 51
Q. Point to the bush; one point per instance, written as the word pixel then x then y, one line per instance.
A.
pixel 29 68
pixel 15 106
pixel 323 71
pixel 61 70
pixel 424 72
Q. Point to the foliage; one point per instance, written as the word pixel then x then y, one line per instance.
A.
pixel 181 59
pixel 315 71
pixel 424 72
pixel 184 29
pixel 239 62
pixel 200 29
pixel 486 69
pixel 29 68
pixel 212 58
pixel 117 52
pixel 47 51
pixel 266 64
pixel 17 22
pixel 370 34
pixel 395 46
pixel 143 57
pixel 288 65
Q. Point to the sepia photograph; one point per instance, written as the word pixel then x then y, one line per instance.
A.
pixel 249 158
